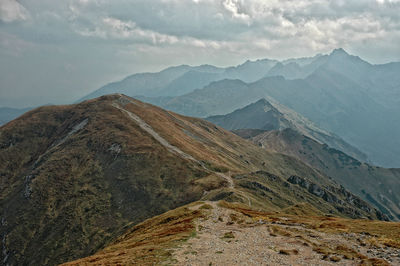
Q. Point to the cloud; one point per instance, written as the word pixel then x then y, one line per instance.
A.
pixel 11 10
pixel 102 40
pixel 318 25
pixel 236 9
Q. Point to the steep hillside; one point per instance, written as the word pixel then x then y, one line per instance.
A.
pixel 266 116
pixel 220 233
pixel 74 177
pixel 379 186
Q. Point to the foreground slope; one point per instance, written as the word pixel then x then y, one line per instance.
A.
pixel 379 186
pixel 74 177
pixel 221 233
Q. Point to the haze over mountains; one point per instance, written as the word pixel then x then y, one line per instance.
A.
pixel 341 93
pixel 262 115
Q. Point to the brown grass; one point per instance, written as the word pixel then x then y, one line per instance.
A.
pixel 148 243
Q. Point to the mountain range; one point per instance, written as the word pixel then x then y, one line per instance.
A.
pixel 75 177
pixel 340 93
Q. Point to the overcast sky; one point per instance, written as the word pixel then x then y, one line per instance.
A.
pixel 58 51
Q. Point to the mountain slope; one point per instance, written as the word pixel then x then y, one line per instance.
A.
pixel 266 116
pixel 379 186
pixel 73 177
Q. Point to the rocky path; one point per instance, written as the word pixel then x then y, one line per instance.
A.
pixel 229 238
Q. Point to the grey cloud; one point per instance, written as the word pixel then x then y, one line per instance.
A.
pixel 11 10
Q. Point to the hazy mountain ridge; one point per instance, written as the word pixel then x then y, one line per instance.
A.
pixel 175 81
pixel 266 116
pixel 334 96
pixel 73 177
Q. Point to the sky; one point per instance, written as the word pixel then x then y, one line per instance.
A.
pixel 58 51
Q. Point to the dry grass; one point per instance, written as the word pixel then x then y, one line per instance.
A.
pixel 148 243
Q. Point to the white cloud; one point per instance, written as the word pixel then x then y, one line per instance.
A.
pixel 235 7
pixel 116 29
pixel 11 10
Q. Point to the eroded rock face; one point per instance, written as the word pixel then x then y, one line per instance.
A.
pixel 329 194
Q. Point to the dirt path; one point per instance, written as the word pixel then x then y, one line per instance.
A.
pixel 228 178
pixel 223 240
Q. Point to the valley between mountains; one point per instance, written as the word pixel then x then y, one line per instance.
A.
pixel 120 181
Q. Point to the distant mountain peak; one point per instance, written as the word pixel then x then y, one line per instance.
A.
pixel 259 106
pixel 339 51
pixel 262 101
